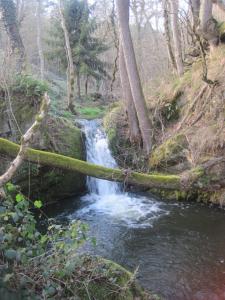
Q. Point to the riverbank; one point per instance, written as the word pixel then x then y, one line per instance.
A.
pixel 188 128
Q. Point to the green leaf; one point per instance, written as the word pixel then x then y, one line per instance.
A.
pixel 38 204
pixel 19 198
pixel 10 187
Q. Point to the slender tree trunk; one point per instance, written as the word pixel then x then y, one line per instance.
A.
pixel 167 36
pixel 208 26
pixel 8 11
pixel 86 85
pixel 134 79
pixel 195 9
pixel 39 41
pixel 71 70
pixel 128 99
pixel 78 85
pixel 176 36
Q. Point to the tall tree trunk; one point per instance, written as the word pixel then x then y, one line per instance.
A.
pixel 167 36
pixel 39 41
pixel 78 85
pixel 176 36
pixel 86 85
pixel 8 10
pixel 134 79
pixel 71 70
pixel 208 26
pixel 195 9
pixel 135 134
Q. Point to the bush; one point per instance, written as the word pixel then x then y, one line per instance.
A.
pixel 29 86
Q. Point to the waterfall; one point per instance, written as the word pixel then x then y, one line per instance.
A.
pixel 98 153
pixel 106 197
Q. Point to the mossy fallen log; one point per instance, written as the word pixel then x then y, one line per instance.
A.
pixel 189 180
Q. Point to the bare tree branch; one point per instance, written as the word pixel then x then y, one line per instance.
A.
pixel 25 141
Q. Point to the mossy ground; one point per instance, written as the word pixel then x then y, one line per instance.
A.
pixel 57 134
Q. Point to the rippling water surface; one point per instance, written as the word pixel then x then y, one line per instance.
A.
pixel 179 249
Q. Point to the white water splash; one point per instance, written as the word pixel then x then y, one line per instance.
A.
pixel 107 197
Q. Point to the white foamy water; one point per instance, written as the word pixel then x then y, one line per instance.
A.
pixel 106 197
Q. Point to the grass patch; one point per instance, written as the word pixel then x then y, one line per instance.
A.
pixel 91 112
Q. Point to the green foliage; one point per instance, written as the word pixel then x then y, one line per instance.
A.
pixel 86 48
pixel 20 239
pixel 170 111
pixel 48 266
pixel 29 86
pixel 91 112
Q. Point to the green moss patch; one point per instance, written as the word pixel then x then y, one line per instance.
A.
pixel 169 153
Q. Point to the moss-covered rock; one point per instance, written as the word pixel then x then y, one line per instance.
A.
pixel 169 153
pixel 56 135
pixel 172 194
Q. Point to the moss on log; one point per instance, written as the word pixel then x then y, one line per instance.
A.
pixel 192 179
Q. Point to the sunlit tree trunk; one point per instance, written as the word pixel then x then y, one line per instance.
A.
pixel 8 11
pixel 134 79
pixel 128 99
pixel 176 36
pixel 208 26
pixel 39 41
pixel 167 36
pixel 71 70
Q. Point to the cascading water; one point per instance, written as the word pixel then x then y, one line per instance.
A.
pixel 178 247
pixel 99 154
pixel 107 197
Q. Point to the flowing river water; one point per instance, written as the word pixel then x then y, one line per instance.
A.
pixel 178 248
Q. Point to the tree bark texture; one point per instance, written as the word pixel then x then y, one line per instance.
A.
pixel 176 36
pixel 135 134
pixel 71 69
pixel 134 78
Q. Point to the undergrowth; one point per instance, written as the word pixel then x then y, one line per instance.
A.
pixel 48 265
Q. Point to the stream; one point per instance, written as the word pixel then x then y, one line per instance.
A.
pixel 177 248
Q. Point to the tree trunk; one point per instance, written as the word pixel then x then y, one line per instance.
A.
pixel 8 10
pixel 78 85
pixel 86 85
pixel 134 79
pixel 208 26
pixel 176 36
pixel 167 36
pixel 191 180
pixel 39 41
pixel 128 99
pixel 195 9
pixel 71 70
